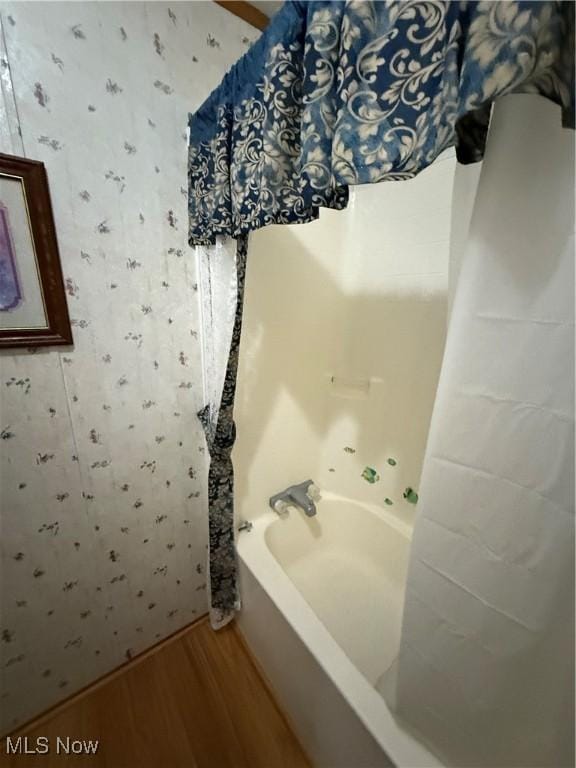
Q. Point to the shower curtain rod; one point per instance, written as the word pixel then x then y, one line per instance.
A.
pixel 245 11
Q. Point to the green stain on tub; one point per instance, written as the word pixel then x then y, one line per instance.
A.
pixel 370 475
pixel 410 495
pixel 350 450
pixel 388 501
pixel 392 462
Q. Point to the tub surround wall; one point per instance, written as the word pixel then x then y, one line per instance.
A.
pixel 342 343
pixel 103 468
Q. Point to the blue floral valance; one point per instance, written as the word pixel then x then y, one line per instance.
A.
pixel 339 93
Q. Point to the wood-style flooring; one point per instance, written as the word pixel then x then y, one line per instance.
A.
pixel 197 701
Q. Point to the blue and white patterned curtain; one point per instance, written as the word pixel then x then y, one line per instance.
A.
pixel 339 93
pixel 355 92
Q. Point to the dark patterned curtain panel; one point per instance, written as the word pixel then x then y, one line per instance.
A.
pixel 340 93
pixel 220 431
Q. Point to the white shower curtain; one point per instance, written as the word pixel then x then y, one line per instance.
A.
pixel 485 671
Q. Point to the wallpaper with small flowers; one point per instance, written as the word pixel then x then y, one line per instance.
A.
pixel 103 472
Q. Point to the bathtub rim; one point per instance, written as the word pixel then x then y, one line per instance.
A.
pixel 368 705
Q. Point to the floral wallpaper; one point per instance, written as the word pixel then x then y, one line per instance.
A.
pixel 103 462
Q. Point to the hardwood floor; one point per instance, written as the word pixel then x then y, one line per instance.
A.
pixel 196 702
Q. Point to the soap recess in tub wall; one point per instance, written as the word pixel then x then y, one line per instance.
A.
pixel 351 388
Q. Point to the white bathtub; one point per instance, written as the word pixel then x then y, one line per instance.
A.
pixel 321 610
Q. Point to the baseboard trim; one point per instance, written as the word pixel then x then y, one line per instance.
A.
pixel 101 681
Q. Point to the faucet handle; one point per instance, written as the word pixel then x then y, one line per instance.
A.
pixel 282 507
pixel 314 492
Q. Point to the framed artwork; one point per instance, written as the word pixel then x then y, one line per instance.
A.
pixel 33 309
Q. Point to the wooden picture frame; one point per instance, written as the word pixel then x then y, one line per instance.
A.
pixel 33 308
